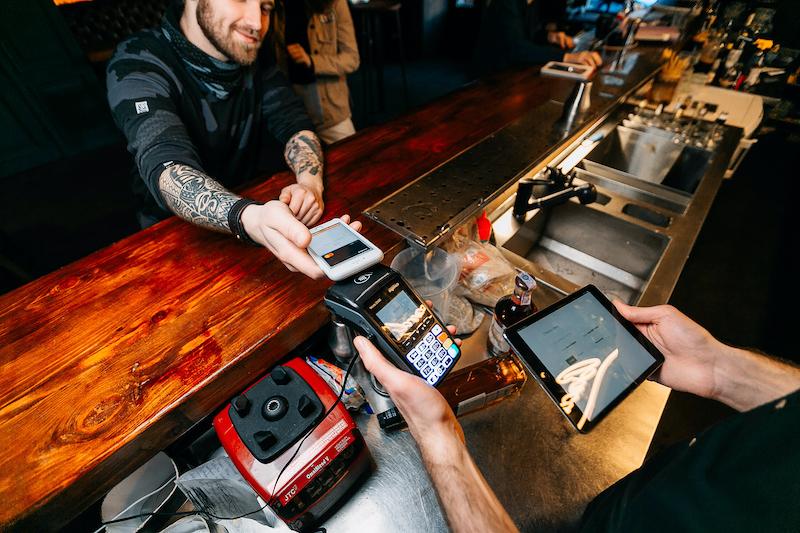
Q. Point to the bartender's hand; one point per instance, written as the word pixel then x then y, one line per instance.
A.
pixel 591 59
pixel 690 351
pixel 433 425
pixel 427 413
pixel 560 39
pixel 298 54
pixel 274 226
pixel 304 200
pixel 696 362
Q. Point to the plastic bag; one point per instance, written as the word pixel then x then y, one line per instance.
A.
pixel 464 316
pixel 486 275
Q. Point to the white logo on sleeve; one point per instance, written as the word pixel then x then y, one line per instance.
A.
pixel 141 107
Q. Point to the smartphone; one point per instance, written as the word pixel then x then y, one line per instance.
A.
pixel 340 251
pixel 571 71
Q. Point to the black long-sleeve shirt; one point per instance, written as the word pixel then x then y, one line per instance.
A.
pixel 739 475
pixel 175 103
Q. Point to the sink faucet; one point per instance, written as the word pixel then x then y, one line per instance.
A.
pixel 559 189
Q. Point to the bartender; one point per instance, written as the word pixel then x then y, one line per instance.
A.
pixel 525 32
pixel 199 106
pixel 740 475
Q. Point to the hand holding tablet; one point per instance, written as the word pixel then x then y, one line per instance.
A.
pixel 584 354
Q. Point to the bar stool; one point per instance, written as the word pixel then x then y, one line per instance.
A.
pixel 370 14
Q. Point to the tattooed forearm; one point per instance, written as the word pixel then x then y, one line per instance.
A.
pixel 194 196
pixel 304 154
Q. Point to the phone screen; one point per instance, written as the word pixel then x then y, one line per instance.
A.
pixel 336 244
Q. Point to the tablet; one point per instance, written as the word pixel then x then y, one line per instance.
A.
pixel 584 354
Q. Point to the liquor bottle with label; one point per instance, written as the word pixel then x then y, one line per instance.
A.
pixel 510 310
pixel 483 383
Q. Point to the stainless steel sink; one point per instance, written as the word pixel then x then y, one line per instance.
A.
pixel 646 166
pixel 640 155
pixel 584 245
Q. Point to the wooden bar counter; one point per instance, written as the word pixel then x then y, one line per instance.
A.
pixel 110 359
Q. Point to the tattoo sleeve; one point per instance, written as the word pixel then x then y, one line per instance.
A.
pixel 196 197
pixel 304 154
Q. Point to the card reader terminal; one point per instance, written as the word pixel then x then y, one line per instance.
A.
pixel 379 304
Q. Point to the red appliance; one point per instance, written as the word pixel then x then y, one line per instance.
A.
pixel 262 427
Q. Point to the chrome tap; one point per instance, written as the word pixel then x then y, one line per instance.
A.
pixel 576 105
pixel 558 189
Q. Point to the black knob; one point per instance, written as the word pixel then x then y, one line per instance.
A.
pixel 241 404
pixel 265 439
pixel 280 376
pixel 390 419
pixel 275 408
pixel 305 406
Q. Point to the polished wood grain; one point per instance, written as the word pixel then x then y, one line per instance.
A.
pixel 110 359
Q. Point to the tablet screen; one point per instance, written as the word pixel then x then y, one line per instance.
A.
pixel 585 356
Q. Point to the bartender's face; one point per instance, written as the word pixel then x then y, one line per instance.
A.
pixel 235 27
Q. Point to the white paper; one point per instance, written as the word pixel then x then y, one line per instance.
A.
pixel 218 488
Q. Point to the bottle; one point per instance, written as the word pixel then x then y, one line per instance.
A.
pixel 483 384
pixel 510 310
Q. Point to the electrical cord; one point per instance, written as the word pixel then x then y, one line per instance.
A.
pixel 300 445
pixel 128 508
pixel 208 513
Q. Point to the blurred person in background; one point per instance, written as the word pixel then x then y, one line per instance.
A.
pixel 316 48
pixel 525 32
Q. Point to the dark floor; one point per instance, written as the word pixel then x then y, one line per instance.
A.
pixel 740 281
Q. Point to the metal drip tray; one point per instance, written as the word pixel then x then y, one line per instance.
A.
pixel 426 210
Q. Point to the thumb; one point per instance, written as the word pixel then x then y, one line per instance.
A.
pixel 375 362
pixel 287 225
pixel 286 195
pixel 638 315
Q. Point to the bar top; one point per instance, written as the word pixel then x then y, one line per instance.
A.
pixel 111 358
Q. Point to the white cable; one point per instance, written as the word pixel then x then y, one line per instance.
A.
pixel 128 508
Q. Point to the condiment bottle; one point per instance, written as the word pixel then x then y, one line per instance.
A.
pixel 509 310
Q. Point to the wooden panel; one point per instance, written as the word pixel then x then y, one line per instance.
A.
pixel 110 359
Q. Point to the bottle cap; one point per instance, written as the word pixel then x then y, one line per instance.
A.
pixel 525 281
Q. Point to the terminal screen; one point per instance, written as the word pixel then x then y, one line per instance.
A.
pixel 336 244
pixel 400 316
pixel 592 357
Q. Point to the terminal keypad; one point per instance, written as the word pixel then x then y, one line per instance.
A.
pixel 433 350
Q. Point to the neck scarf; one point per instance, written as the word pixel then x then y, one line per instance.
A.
pixel 218 77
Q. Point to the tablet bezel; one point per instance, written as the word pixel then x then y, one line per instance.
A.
pixel 548 382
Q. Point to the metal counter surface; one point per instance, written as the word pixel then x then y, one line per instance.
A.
pixel 542 470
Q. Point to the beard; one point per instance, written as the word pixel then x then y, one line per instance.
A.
pixel 223 38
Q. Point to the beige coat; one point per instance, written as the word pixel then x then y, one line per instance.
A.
pixel 334 53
